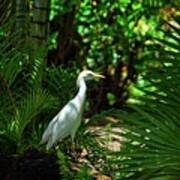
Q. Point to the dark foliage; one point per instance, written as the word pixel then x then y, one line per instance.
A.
pixel 135 44
pixel 32 165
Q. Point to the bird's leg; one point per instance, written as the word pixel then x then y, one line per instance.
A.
pixel 73 144
pixel 73 149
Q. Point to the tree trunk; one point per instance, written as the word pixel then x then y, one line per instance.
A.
pixel 40 28
pixel 39 37
pixel 21 22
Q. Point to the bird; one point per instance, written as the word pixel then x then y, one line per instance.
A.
pixel 68 119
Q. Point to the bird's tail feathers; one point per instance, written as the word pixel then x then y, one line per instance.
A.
pixel 45 137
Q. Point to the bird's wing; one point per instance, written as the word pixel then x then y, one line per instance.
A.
pixel 65 123
pixel 48 132
pixel 61 125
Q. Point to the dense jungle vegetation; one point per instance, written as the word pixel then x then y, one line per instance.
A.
pixel 131 121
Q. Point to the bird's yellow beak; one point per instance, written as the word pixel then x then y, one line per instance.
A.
pixel 96 75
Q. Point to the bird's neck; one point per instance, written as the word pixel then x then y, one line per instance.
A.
pixel 82 89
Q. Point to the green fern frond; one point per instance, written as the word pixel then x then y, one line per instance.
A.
pixel 35 103
pixel 152 142
pixel 151 145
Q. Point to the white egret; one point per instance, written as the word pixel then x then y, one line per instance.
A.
pixel 67 121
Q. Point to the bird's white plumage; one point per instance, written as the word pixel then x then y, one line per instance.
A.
pixel 67 121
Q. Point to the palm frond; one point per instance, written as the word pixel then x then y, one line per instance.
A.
pixel 7 9
pixel 151 145
pixel 29 108
pixel 152 141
